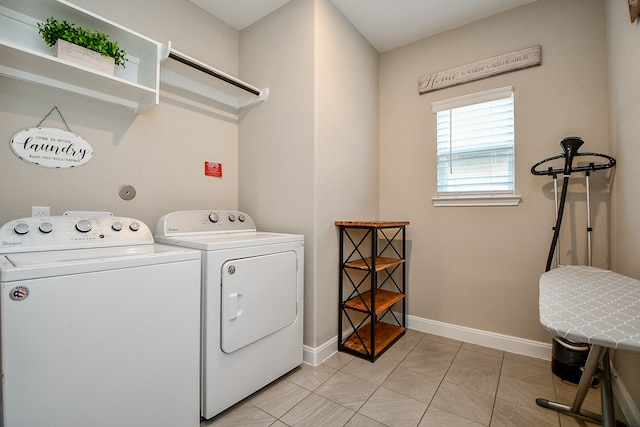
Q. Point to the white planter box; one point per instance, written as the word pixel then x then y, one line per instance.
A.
pixel 83 56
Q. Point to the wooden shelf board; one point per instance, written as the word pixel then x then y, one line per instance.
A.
pixel 381 263
pixel 385 335
pixel 368 224
pixel 384 300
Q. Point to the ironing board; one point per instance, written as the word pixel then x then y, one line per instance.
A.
pixel 594 306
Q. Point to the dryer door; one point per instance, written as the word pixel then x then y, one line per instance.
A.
pixel 259 297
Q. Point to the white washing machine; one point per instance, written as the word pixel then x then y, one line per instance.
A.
pixel 100 326
pixel 252 294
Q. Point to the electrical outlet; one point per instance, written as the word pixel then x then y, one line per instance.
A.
pixel 40 211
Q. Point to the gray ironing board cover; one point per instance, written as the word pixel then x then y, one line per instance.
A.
pixel 588 304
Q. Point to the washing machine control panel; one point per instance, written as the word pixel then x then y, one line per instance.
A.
pixel 183 223
pixel 33 234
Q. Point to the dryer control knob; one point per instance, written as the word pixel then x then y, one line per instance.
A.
pixel 213 217
pixel 21 228
pixel 232 218
pixel 46 227
pixel 116 226
pixel 241 218
pixel 83 226
pixel 134 226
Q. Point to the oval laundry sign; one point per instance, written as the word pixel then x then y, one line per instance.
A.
pixel 51 148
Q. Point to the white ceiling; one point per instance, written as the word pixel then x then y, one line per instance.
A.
pixel 239 13
pixel 387 24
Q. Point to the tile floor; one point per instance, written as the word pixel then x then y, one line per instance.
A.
pixel 422 380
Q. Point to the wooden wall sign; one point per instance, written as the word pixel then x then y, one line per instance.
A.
pixel 634 9
pixel 501 64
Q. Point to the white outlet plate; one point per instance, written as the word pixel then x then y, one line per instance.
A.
pixel 40 211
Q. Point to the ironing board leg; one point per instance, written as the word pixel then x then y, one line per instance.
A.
pixel 598 355
pixel 590 369
pixel 606 392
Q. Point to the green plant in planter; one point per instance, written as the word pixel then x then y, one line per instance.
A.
pixel 53 29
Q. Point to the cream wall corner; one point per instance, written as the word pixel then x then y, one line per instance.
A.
pixel 308 156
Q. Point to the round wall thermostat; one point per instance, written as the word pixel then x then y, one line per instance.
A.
pixel 127 192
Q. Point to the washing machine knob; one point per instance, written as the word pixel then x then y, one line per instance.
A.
pixel 241 218
pixel 116 226
pixel 134 226
pixel 232 217
pixel 46 227
pixel 83 226
pixel 21 228
pixel 213 217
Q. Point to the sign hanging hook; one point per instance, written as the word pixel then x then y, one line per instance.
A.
pixel 55 107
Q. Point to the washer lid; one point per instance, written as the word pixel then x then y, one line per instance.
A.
pixel 32 265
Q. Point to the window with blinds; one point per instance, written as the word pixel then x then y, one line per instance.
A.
pixel 475 145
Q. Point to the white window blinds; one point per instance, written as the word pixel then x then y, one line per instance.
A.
pixel 475 144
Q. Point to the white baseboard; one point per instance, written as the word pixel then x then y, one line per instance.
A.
pixel 508 343
pixel 315 356
pixel 628 406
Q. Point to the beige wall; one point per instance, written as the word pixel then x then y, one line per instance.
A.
pixel 161 152
pixel 277 139
pixel 309 155
pixel 623 39
pixel 479 267
pixel 346 148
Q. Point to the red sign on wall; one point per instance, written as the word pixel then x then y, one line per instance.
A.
pixel 212 169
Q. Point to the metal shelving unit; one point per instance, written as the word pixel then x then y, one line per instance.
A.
pixel 372 286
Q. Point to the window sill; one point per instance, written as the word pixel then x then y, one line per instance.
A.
pixel 477 200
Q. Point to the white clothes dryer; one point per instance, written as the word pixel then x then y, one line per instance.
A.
pixel 100 326
pixel 252 301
